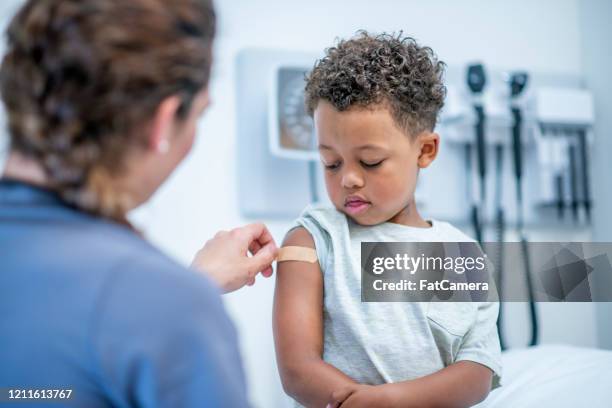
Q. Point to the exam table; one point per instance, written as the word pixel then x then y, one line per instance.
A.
pixel 556 376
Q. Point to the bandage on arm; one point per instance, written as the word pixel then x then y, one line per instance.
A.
pixel 297 253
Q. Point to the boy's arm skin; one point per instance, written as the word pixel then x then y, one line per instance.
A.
pixel 461 384
pixel 298 335
pixel 298 330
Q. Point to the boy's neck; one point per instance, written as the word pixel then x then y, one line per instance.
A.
pixel 409 216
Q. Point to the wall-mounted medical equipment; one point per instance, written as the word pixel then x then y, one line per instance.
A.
pixel 291 129
pixel 565 120
pixel 274 167
pixel 543 124
pixel 522 129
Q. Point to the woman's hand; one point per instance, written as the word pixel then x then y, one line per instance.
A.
pixel 226 260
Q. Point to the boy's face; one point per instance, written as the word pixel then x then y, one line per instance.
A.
pixel 371 165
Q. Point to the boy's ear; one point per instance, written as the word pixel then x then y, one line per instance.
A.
pixel 429 144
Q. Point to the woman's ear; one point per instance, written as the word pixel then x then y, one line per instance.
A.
pixel 162 125
pixel 429 144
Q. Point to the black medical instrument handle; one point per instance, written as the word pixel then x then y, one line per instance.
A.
pixel 476 223
pixel 500 232
pixel 517 156
pixel 560 195
pixel 516 143
pixel 499 258
pixel 476 81
pixel 582 142
pixel 500 329
pixel 474 216
pixel 573 181
pixel 529 282
pixel 499 215
pixel 314 185
pixel 518 82
pixel 481 150
pixel 499 166
pixel 518 173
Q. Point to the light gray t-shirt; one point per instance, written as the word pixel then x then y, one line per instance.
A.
pixel 385 342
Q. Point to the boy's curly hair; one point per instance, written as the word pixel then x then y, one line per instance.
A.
pixel 381 69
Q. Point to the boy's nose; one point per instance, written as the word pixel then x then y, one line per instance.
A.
pixel 352 180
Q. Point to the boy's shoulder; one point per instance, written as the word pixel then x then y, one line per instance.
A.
pixel 322 222
pixel 326 218
pixel 449 233
pixel 321 210
pixel 322 216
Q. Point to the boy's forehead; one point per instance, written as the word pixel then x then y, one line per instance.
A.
pixel 370 128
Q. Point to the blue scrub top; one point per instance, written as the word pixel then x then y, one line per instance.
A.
pixel 88 305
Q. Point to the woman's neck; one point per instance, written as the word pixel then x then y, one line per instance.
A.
pixel 21 168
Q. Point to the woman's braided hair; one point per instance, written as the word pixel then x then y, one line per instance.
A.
pixel 381 69
pixel 80 77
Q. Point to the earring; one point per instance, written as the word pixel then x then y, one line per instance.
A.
pixel 163 146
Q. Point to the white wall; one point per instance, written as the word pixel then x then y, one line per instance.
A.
pixel 201 197
pixel 7 9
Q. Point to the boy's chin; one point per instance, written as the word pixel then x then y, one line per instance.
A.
pixel 364 219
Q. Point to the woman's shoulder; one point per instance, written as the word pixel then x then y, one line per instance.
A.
pixel 122 262
pixel 140 264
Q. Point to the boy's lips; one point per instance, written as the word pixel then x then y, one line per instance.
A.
pixel 355 205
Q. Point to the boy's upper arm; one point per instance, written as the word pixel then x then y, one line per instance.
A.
pixel 298 305
pixel 481 342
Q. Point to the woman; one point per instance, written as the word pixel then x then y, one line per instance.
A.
pixel 102 98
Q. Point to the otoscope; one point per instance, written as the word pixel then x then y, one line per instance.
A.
pixel 582 145
pixel 476 80
pixel 517 85
pixel 518 82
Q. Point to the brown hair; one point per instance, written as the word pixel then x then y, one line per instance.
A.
pixel 381 69
pixel 80 76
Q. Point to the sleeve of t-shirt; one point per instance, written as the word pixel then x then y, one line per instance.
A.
pixel 319 236
pixel 481 342
pixel 161 338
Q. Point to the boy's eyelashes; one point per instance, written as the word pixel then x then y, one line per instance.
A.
pixel 372 164
pixel 367 165
pixel 333 166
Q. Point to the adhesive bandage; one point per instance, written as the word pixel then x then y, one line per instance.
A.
pixel 296 253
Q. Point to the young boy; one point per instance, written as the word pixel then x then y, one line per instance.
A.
pixel 375 101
